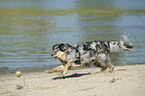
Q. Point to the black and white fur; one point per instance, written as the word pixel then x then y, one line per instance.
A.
pixel 94 52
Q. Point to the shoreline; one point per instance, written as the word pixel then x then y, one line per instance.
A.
pixel 7 70
pixel 124 81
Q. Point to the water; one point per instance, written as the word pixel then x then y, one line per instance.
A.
pixel 29 28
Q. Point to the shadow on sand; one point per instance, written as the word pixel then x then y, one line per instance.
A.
pixel 75 75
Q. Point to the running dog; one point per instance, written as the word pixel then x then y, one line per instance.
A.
pixel 94 52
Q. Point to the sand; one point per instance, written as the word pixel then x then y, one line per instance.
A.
pixel 124 81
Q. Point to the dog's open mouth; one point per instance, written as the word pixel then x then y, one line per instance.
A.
pixel 55 58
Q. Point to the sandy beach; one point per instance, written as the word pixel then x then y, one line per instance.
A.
pixel 124 81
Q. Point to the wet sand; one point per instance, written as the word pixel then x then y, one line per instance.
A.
pixel 124 81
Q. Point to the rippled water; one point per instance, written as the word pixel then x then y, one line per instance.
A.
pixel 29 28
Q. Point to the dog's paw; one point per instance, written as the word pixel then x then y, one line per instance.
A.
pixel 49 71
pixel 64 73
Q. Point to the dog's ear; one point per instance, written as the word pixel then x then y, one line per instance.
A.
pixel 86 46
pixel 62 47
pixel 55 47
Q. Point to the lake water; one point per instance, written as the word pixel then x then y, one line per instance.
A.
pixel 29 28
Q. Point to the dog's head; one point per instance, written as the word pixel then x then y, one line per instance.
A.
pixel 59 51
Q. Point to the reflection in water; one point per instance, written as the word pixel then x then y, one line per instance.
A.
pixel 28 30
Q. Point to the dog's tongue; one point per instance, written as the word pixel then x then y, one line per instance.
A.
pixel 55 58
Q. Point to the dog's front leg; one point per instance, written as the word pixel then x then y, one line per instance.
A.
pixel 56 69
pixel 74 66
pixel 66 68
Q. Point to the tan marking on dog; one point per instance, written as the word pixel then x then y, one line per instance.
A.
pixel 62 58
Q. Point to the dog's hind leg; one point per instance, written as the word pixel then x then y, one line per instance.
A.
pixel 104 67
pixel 56 69
pixel 111 67
pixel 99 63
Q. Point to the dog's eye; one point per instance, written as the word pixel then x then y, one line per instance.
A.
pixel 114 43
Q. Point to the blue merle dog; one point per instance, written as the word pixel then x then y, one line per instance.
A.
pixel 94 52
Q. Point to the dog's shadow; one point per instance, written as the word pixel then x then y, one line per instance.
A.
pixel 75 75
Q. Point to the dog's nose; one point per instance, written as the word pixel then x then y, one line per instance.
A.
pixel 52 55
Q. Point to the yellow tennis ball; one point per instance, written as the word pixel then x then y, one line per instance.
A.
pixel 18 73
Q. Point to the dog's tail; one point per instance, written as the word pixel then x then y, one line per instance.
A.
pixel 121 46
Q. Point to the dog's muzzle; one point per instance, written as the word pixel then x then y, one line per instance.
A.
pixel 55 57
